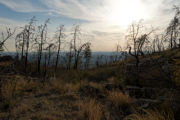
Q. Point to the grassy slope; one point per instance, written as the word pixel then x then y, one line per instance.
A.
pixel 93 94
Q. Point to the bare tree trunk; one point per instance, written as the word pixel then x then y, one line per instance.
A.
pixel 22 52
pixel 49 58
pixel 59 46
pixel 137 70
pixel 40 53
pixel 76 30
pixel 69 57
pixel 76 60
pixel 43 32
pixel 27 49
pixel 29 31
pixel 171 39
pixel 45 67
pixel 57 56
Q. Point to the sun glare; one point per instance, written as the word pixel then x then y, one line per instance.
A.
pixel 124 12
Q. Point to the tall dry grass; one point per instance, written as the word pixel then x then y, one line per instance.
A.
pixel 90 109
pixel 8 92
pixel 14 86
pixel 119 99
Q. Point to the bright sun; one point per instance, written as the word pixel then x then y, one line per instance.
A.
pixel 124 12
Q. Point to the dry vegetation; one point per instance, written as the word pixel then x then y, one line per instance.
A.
pixel 151 115
pixel 29 99
pixel 90 109
pixel 96 94
pixel 119 99
pixel 103 93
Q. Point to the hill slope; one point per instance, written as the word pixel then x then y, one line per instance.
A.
pixel 105 93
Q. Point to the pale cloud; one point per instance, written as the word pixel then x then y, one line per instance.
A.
pixel 22 5
pixel 107 19
pixel 90 10
pixel 10 22
pixel 95 10
pixel 99 11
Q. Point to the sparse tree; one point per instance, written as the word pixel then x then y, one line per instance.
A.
pixel 172 31
pixel 117 52
pixel 48 51
pixel 137 41
pixel 76 33
pixel 87 56
pixel 23 40
pixel 69 56
pixel 158 43
pixel 98 60
pixel 60 36
pixel 77 47
pixel 42 30
pixel 20 42
pixel 5 36
pixel 29 34
pixel 78 54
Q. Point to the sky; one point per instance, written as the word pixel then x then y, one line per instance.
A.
pixel 104 22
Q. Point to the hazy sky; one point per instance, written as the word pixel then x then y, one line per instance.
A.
pixel 105 21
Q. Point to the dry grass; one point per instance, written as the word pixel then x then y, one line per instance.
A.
pixel 14 87
pixel 19 84
pixel 6 63
pixel 95 85
pixel 23 85
pixel 90 109
pixel 44 116
pixel 4 115
pixel 62 87
pixel 17 91
pixel 151 115
pixel 8 91
pixel 70 87
pixel 118 98
pixel 111 80
pixel 56 86
pixel 21 109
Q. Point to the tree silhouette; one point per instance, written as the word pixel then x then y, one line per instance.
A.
pixel 137 40
pixel 60 36
pixel 5 36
